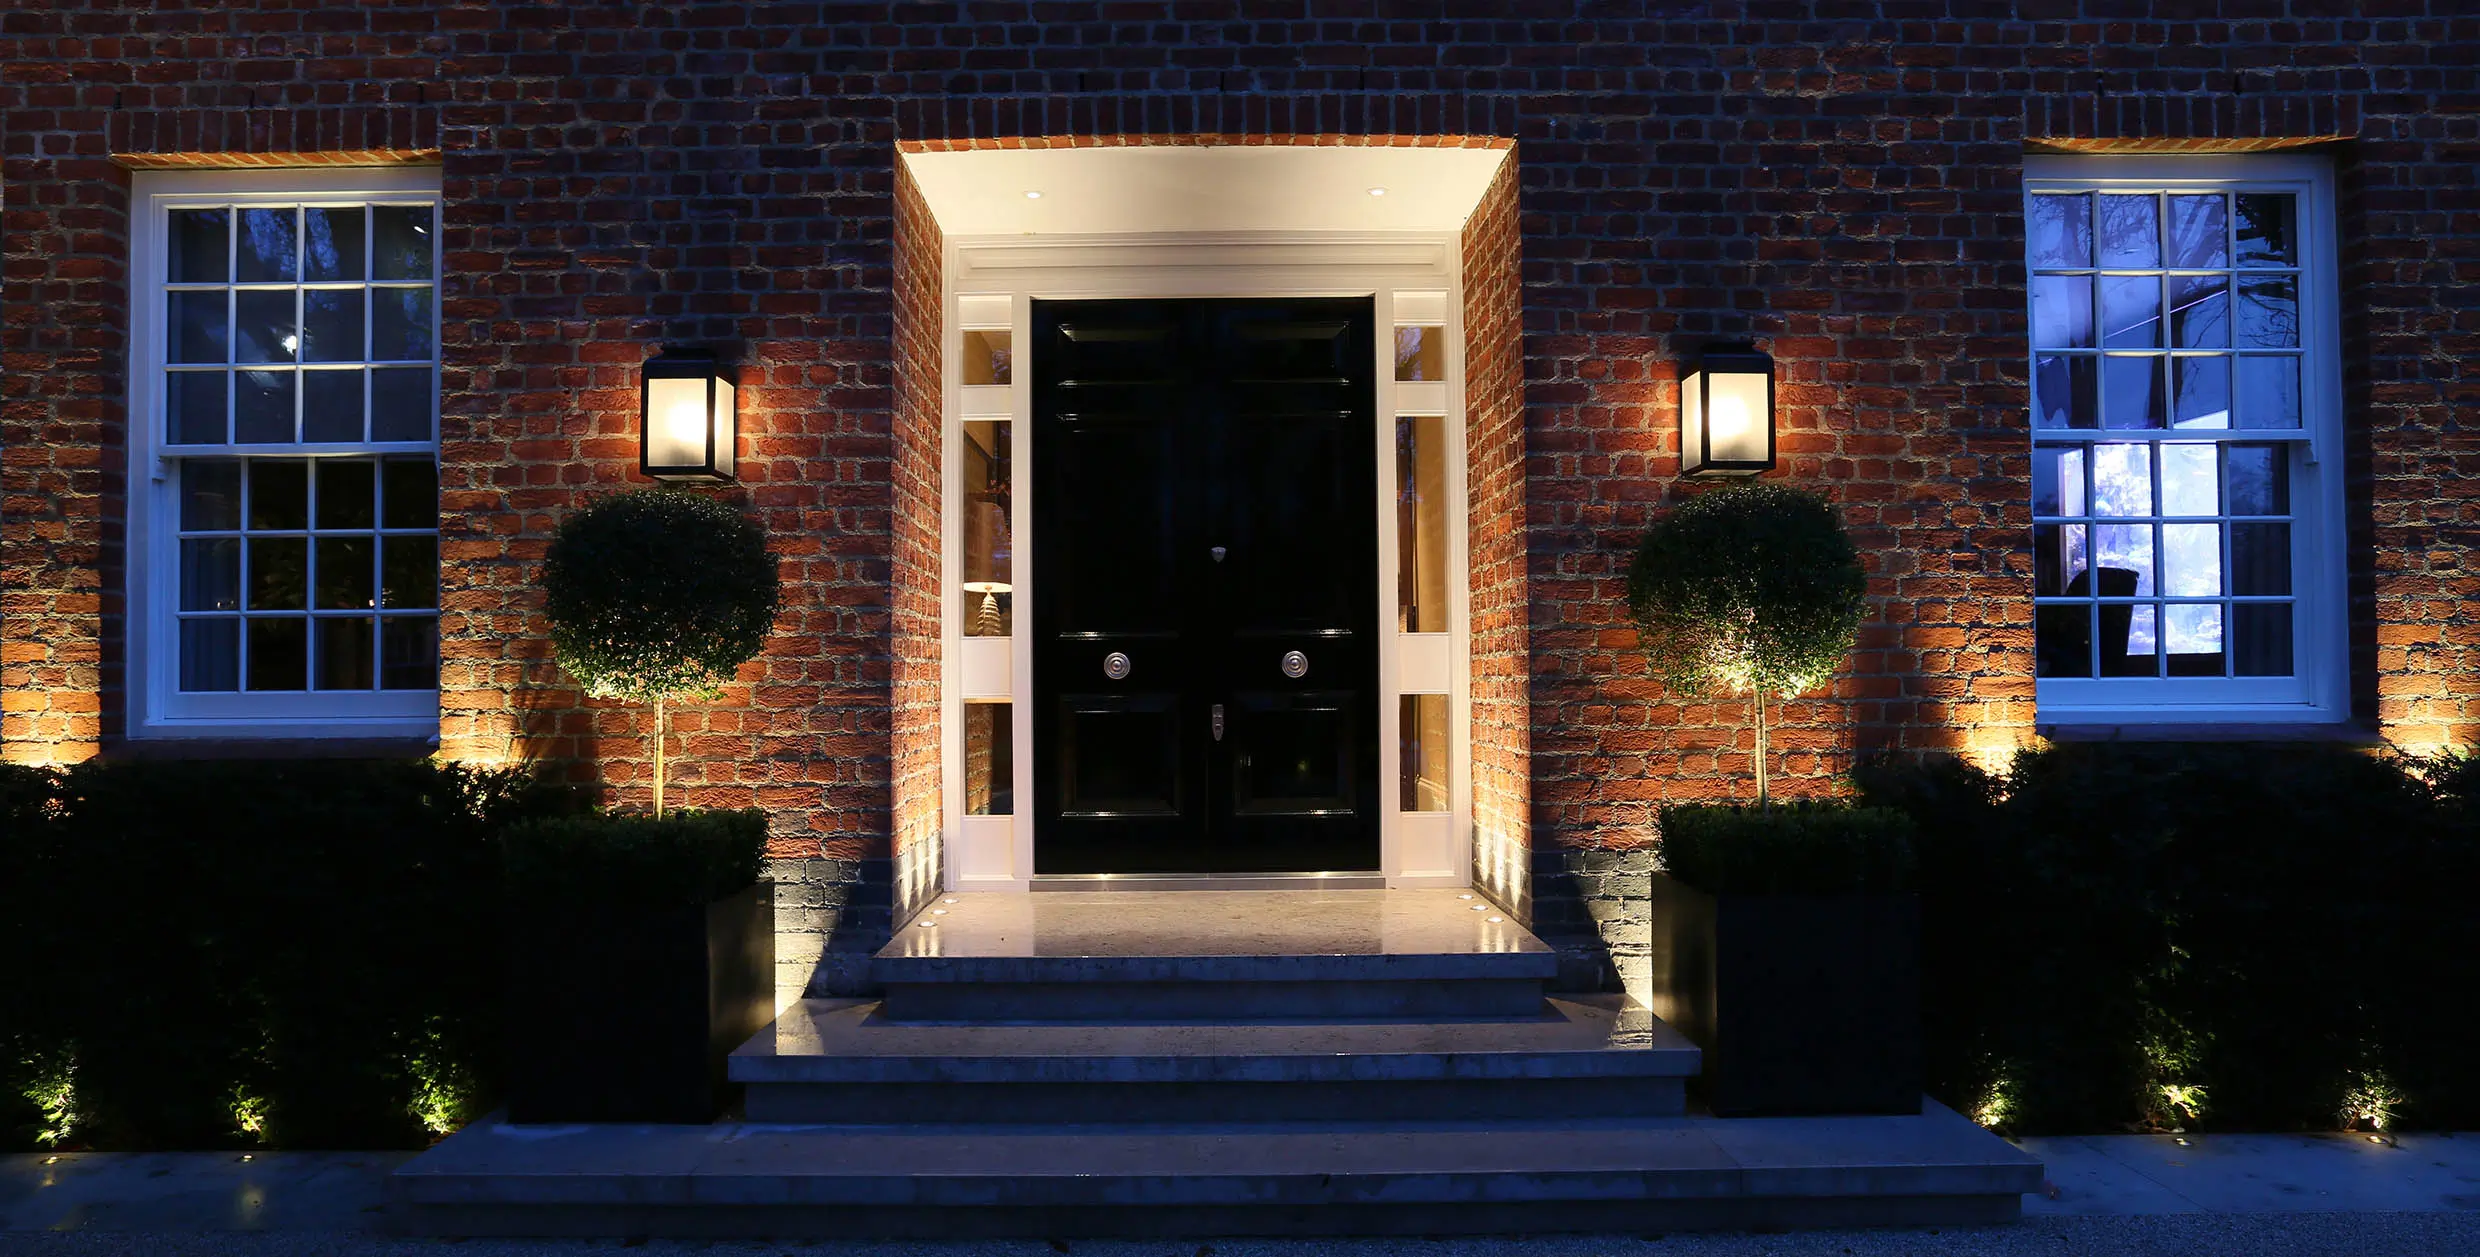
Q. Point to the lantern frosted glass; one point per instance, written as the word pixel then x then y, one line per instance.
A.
pixel 689 417
pixel 1726 414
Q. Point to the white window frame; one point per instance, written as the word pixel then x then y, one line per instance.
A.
pixel 2316 692
pixel 157 707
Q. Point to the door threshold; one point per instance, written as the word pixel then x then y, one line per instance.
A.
pixel 1209 881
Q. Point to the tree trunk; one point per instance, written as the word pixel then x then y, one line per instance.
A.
pixel 658 757
pixel 1763 800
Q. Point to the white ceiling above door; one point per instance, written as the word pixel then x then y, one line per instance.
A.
pixel 1219 188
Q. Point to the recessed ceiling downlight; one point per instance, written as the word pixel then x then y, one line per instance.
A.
pixel 1377 192
pixel 1032 195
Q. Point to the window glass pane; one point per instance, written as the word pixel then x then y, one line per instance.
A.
pixel 2259 479
pixel 2192 639
pixel 410 489
pixel 263 326
pixel 210 655
pixel 279 652
pixel 2260 558
pixel 400 324
pixel 211 574
pixel 400 404
pixel 2200 311
pixel 2268 312
pixel 1421 524
pixel 989 556
pixel 2261 639
pixel 411 572
pixel 279 574
pixel 2268 392
pixel 1426 743
pixel 331 325
pixel 2059 559
pixel 2122 479
pixel 2063 393
pixel 2131 311
pixel 197 325
pixel 987 357
pixel 2267 229
pixel 409 652
pixel 2191 560
pixel 263 406
pixel 265 250
pixel 345 493
pixel 210 494
pixel 2062 640
pixel 2122 560
pixel 331 406
pixel 279 495
pixel 2202 387
pixel 198 244
pixel 2060 230
pixel 344 652
pixel 2199 231
pixel 345 574
pixel 401 247
pixel 2062 314
pixel 1420 353
pixel 2190 479
pixel 989 760
pixel 2127 641
pixel 333 245
pixel 194 407
pixel 2132 393
pixel 2130 230
pixel 2058 480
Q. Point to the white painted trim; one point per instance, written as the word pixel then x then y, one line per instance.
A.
pixel 155 708
pixel 1174 266
pixel 2319 691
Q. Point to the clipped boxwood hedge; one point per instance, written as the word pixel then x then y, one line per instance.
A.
pixel 1805 848
pixel 251 953
pixel 679 859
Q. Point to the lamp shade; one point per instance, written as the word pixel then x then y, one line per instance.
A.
pixel 688 417
pixel 1726 413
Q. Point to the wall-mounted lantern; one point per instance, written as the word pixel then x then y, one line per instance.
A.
pixel 1726 413
pixel 687 422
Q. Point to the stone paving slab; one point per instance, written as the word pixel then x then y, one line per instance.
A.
pixel 2158 1174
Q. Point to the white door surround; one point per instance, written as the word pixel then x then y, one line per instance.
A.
pixel 1175 223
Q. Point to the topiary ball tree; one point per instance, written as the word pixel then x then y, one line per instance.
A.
pixel 657 594
pixel 1749 589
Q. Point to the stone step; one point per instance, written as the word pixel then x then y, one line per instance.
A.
pixel 1327 1178
pixel 1579 1057
pixel 1212 955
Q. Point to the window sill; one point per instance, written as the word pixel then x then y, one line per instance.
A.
pixel 195 746
pixel 2344 733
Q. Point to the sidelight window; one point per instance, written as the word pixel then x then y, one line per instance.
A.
pixel 2184 433
pixel 285 539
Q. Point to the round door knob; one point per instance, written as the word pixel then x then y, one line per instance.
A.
pixel 1115 666
pixel 1295 664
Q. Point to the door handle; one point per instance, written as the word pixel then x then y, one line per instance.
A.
pixel 1218 722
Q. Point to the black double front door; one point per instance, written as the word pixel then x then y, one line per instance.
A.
pixel 1204 610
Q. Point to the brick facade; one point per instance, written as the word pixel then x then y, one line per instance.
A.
pixel 1845 190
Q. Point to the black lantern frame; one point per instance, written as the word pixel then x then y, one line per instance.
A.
pixel 670 373
pixel 1697 456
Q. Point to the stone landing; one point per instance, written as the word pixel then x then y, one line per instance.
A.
pixel 1212 1063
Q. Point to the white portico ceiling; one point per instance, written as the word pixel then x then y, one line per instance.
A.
pixel 1224 188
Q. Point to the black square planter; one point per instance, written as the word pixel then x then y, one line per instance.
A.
pixel 1804 1004
pixel 631 1015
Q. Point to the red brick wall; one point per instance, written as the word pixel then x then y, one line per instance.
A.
pixel 1844 188
pixel 919 425
pixel 1501 606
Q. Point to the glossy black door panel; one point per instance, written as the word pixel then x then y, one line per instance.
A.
pixel 1204 505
